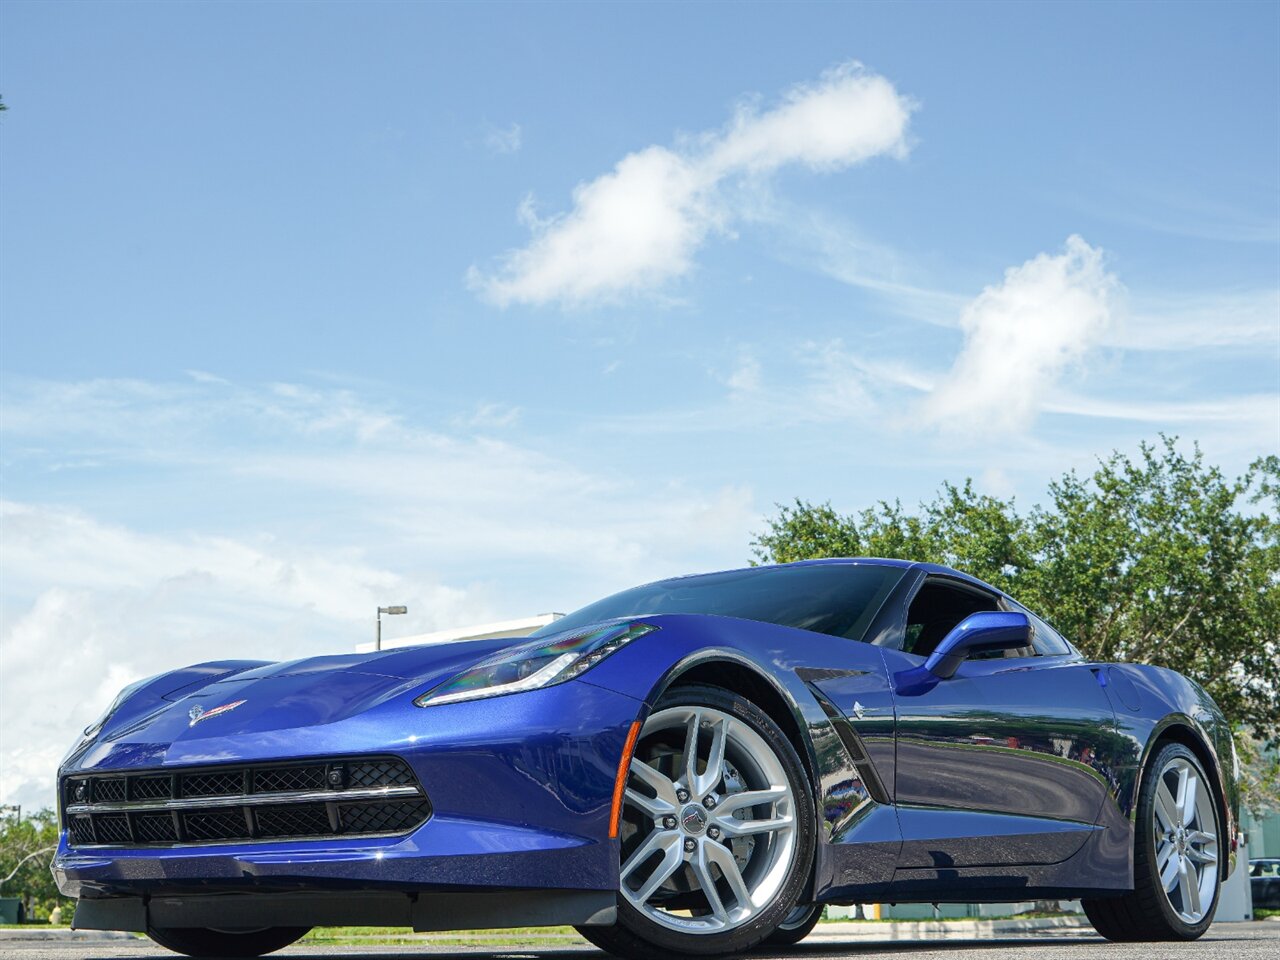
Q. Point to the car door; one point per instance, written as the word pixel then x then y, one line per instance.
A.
pixel 1000 763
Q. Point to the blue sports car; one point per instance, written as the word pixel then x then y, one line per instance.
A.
pixel 692 767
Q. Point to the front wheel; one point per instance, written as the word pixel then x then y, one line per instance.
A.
pixel 798 924
pixel 197 942
pixel 1175 857
pixel 717 830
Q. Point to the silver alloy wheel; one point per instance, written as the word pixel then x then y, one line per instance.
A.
pixel 710 813
pixel 1186 840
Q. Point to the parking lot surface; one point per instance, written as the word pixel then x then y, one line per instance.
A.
pixel 1225 941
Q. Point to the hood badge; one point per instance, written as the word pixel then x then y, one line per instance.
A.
pixel 198 713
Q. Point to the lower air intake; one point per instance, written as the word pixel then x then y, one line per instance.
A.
pixel 340 797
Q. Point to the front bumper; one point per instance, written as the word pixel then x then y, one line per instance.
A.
pixel 520 789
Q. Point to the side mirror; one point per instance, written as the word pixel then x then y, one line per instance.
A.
pixel 978 633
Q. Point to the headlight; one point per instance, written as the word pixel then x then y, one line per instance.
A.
pixel 93 729
pixel 538 663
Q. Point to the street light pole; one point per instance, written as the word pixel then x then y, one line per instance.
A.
pixel 389 611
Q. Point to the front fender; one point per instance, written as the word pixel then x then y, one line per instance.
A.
pixel 797 677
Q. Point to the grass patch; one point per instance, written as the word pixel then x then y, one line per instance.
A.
pixel 1010 916
pixel 401 936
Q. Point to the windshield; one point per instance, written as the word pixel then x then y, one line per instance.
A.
pixel 839 599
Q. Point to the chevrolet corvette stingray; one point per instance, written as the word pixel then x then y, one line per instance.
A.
pixel 692 767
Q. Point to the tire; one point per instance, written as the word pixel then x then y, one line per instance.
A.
pixel 757 858
pixel 1186 855
pixel 198 942
pixel 799 923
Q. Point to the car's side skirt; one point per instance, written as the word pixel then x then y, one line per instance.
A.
pixel 1101 867
pixel 426 911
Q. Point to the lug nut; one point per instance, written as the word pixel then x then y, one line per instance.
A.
pixel 682 795
pixel 713 833
pixel 669 822
pixel 709 802
pixel 690 846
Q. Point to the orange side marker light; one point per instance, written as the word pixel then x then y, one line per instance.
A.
pixel 620 785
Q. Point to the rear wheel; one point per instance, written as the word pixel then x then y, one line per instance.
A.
pixel 198 942
pixel 717 831
pixel 1175 857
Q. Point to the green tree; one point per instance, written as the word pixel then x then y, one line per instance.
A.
pixel 981 534
pixel 26 848
pixel 1259 776
pixel 1157 558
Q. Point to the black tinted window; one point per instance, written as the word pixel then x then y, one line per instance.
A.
pixel 936 610
pixel 837 599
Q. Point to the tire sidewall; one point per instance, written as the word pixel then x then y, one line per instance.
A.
pixel 753 932
pixel 1145 847
pixel 788 936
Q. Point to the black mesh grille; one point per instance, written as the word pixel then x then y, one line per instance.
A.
pixel 378 773
pixel 81 830
pixel 383 817
pixel 222 783
pixel 231 803
pixel 154 828
pixel 277 779
pixel 150 788
pixel 307 820
pixel 108 790
pixel 215 825
pixel 111 827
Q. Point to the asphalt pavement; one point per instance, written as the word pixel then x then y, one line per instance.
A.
pixel 1224 941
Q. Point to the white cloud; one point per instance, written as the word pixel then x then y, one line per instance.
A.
pixel 1260 412
pixel 638 227
pixel 631 229
pixel 851 115
pixel 489 416
pixel 506 139
pixel 459 496
pixel 1248 319
pixel 746 374
pixel 1166 321
pixel 814 240
pixel 1020 335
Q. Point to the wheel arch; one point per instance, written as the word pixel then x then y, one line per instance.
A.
pixel 737 674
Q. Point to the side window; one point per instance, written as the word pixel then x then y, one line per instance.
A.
pixel 1046 640
pixel 937 607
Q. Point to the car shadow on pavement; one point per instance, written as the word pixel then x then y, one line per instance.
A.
pixel 830 948
pixel 814 951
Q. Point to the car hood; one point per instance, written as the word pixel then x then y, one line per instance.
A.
pixel 297 693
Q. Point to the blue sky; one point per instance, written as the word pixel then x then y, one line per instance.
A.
pixel 491 309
